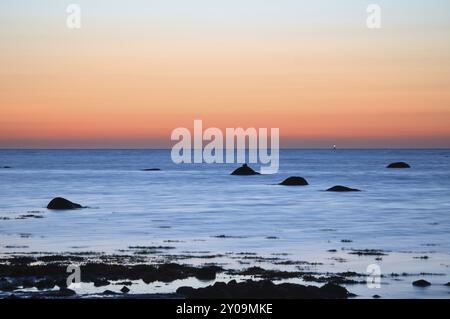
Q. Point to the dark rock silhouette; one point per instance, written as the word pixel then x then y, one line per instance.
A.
pixel 125 289
pixel 206 273
pixel 7 167
pixel 65 292
pixel 150 169
pixel 62 293
pixel 265 289
pixel 45 284
pixel 244 170
pixel 62 203
pixel 340 188
pixel 399 165
pixel 294 181
pixel 100 282
pixel 21 272
pixel 421 283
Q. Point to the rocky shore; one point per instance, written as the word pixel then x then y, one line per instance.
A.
pixel 46 276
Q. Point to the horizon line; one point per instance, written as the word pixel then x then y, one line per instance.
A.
pixel 168 149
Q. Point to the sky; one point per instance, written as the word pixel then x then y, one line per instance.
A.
pixel 137 69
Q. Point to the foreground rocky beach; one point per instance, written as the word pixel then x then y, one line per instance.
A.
pixel 46 275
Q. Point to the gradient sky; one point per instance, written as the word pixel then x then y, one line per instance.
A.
pixel 138 69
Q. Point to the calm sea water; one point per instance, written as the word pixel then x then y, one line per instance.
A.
pixel 405 212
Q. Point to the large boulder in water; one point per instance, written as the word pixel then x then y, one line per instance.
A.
pixel 62 203
pixel 339 188
pixel 294 181
pixel 399 165
pixel 421 283
pixel 244 170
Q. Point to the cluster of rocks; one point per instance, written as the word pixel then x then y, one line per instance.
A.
pixel 246 170
pixel 60 203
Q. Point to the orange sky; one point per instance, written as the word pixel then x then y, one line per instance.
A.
pixel 131 86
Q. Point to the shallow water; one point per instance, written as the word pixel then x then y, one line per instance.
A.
pixel 404 212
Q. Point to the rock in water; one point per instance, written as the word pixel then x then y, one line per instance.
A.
pixel 66 292
pixel 244 170
pixel 421 283
pixel 125 289
pixel 399 165
pixel 62 293
pixel 206 273
pixel 62 203
pixel 294 181
pixel 264 289
pixel 340 188
pixel 151 169
pixel 100 282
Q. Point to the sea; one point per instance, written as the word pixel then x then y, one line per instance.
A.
pixel 201 208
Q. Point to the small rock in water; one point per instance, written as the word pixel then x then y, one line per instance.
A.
pixel 61 293
pixel 399 165
pixel 45 284
pixel 206 273
pixel 6 166
pixel 66 292
pixel 244 170
pixel 421 283
pixel 62 203
pixel 125 289
pixel 101 282
pixel 376 296
pixel 294 181
pixel 151 169
pixel 340 188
